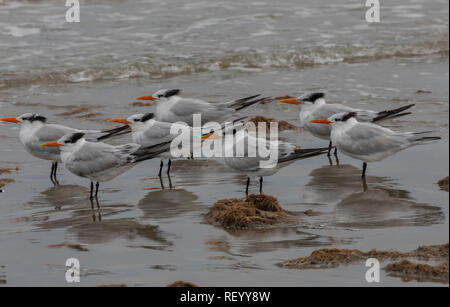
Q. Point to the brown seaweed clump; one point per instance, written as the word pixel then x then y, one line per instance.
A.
pixel 324 259
pixel 282 125
pixel 180 283
pixel 443 183
pixel 253 212
pixel 403 268
pixel 333 257
pixel 431 252
pixel 4 171
pixel 423 91
pixel 408 271
pixel 5 181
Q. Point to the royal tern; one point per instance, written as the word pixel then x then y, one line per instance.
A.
pixel 315 106
pixel 251 164
pixel 172 108
pixel 34 131
pixel 147 131
pixel 369 142
pixel 101 162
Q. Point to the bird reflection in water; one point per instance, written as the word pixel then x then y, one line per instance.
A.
pixel 168 203
pixel 381 205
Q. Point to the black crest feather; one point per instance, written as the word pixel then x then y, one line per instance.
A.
pixel 171 93
pixel 147 117
pixel 75 137
pixel 314 96
pixel 37 117
pixel 348 115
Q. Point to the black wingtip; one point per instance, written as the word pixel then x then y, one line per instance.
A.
pixel 115 132
pixel 394 113
pixel 250 103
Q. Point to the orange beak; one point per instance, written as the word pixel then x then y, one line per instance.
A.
pixel 290 101
pixel 321 121
pixel 51 144
pixel 213 136
pixel 146 97
pixel 10 120
pixel 119 120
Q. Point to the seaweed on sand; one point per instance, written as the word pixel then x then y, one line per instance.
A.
pixel 180 283
pixel 252 212
pixel 408 271
pixel 443 183
pixel 282 125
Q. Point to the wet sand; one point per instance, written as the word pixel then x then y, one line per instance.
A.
pixel 161 231
pixel 144 233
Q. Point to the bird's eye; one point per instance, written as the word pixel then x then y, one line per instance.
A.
pixel 234 131
pixel 160 95
pixel 136 120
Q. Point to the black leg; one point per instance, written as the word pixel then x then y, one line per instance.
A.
pixel 92 190
pixel 330 161
pixel 162 183
pixel 160 168
pixel 96 189
pixel 335 151
pixel 364 170
pixel 337 158
pixel 248 183
pixel 56 168
pixel 329 148
pixel 260 184
pixel 52 171
pixel 168 166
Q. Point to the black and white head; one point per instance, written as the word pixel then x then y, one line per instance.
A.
pixel 72 139
pixel 309 99
pixel 140 119
pixel 312 98
pixel 166 93
pixel 336 119
pixel 29 118
pixel 67 142
pixel 135 120
pixel 342 117
pixel 161 95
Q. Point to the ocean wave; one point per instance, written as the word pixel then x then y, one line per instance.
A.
pixel 245 60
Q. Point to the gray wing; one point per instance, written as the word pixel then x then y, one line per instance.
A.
pixel 49 133
pixel 97 157
pixel 243 163
pixel 368 139
pixel 251 143
pixel 159 130
pixel 328 110
pixel 285 149
pixel 185 107
pixel 53 132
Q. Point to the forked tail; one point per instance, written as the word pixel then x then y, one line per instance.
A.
pixel 304 153
pixel 423 137
pixel 388 114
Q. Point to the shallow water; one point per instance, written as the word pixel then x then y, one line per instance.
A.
pixel 141 234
